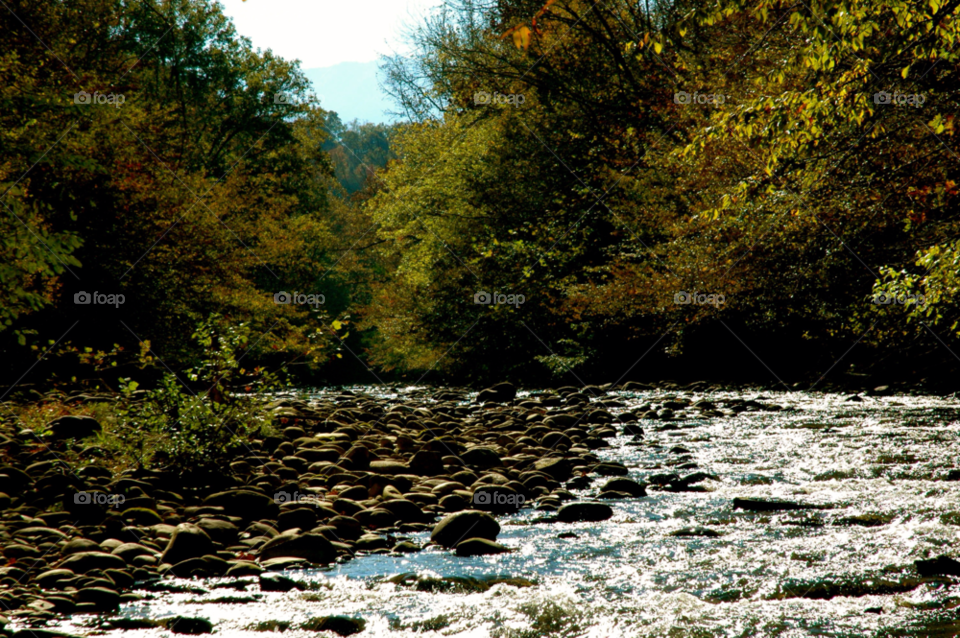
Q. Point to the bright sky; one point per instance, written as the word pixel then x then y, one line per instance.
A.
pixel 325 32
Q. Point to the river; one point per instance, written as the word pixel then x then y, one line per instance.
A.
pixel 874 467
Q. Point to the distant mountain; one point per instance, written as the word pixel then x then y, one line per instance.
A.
pixel 351 89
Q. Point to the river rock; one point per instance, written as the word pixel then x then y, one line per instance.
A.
pixel 276 582
pixel 241 568
pixel 389 468
pixel 49 578
pixel 103 599
pixel 346 528
pixel 355 493
pixel 359 457
pixel 453 503
pixel 499 393
pixel 190 626
pixel 467 524
pixel 122 578
pixel 305 517
pixel 223 532
pixel 559 469
pixel 245 504
pixel 79 545
pixel 763 505
pixel 188 541
pixel 129 551
pixel 372 542
pixel 481 457
pixel 340 625
pixel 584 512
pixel 84 562
pixel 939 566
pixel 427 463
pixel 312 547
pixel 404 510
pixel 695 531
pixel 554 440
pixel 624 485
pixel 480 547
pixel 203 567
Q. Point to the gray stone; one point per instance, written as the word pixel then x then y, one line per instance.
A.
pixel 461 525
pixel 584 512
pixel 188 541
pixel 480 547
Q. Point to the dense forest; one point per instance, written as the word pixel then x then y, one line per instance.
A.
pixel 598 191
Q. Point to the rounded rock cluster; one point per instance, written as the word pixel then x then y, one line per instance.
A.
pixel 348 474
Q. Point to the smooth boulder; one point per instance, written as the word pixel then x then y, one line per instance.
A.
pixel 481 457
pixel 584 512
pixel 462 525
pixel 480 547
pixel 312 547
pixel 624 485
pixel 499 393
pixel 245 504
pixel 83 562
pixel 188 541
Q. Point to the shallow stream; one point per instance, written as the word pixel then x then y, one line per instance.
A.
pixel 876 467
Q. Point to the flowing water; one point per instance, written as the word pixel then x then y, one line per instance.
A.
pixel 875 467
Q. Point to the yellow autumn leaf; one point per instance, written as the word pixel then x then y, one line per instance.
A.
pixel 521 37
pixel 657 47
pixel 336 325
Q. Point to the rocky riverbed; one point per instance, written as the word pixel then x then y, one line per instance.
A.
pixel 596 511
